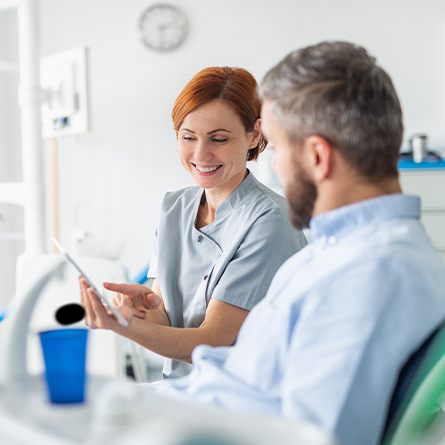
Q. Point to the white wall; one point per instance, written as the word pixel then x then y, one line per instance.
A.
pixel 11 216
pixel 113 179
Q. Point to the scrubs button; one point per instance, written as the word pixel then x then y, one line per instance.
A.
pixel 205 277
pixel 200 238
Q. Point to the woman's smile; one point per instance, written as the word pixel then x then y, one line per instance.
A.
pixel 206 170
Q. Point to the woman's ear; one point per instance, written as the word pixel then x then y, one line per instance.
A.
pixel 320 157
pixel 255 134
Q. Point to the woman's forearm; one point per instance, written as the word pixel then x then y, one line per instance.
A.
pixel 175 343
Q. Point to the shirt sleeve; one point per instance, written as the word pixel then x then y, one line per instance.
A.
pixel 269 242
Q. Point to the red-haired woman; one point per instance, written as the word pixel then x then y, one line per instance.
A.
pixel 218 244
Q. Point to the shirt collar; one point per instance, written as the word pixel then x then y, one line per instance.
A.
pixel 371 211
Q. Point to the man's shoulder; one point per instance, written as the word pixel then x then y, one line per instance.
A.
pixel 365 265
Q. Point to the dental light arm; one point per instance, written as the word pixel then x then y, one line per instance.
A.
pixel 17 323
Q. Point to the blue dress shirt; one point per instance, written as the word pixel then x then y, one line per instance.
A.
pixel 339 321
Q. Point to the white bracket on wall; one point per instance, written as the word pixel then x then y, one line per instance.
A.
pixel 64 78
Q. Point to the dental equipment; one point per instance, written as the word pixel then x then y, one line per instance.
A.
pixel 17 324
pixel 118 412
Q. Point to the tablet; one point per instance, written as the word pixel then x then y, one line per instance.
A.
pixel 103 298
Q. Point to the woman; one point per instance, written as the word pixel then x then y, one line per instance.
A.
pixel 218 244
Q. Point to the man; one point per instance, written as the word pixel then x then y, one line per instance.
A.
pixel 343 315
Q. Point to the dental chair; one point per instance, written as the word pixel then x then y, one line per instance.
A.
pixel 415 414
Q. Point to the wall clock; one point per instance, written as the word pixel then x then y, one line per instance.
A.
pixel 163 27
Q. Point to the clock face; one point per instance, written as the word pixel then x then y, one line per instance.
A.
pixel 163 27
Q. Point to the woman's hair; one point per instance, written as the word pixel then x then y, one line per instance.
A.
pixel 235 86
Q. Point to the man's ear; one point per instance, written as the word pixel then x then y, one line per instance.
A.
pixel 321 157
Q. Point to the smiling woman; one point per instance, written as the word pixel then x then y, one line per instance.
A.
pixel 218 244
pixel 208 140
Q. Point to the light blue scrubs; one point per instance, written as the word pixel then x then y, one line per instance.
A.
pixel 232 259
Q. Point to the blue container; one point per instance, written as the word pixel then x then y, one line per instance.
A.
pixel 64 354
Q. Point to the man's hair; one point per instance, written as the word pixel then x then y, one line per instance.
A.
pixel 337 91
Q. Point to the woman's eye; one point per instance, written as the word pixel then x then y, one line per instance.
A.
pixel 219 140
pixel 188 138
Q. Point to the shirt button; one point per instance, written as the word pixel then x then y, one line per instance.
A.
pixel 205 277
pixel 332 240
pixel 200 238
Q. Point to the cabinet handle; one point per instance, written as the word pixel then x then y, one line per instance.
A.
pixel 433 210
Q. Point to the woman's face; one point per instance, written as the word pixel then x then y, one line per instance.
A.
pixel 213 146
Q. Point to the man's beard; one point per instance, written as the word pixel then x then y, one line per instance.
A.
pixel 301 194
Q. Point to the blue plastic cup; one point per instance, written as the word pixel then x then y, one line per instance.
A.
pixel 64 355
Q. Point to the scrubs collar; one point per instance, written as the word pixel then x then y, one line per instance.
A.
pixel 236 196
pixel 371 211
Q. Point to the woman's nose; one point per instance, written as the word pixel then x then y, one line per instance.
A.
pixel 202 150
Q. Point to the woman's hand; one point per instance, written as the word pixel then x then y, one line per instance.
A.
pixel 133 300
pixel 96 315
pixel 134 297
